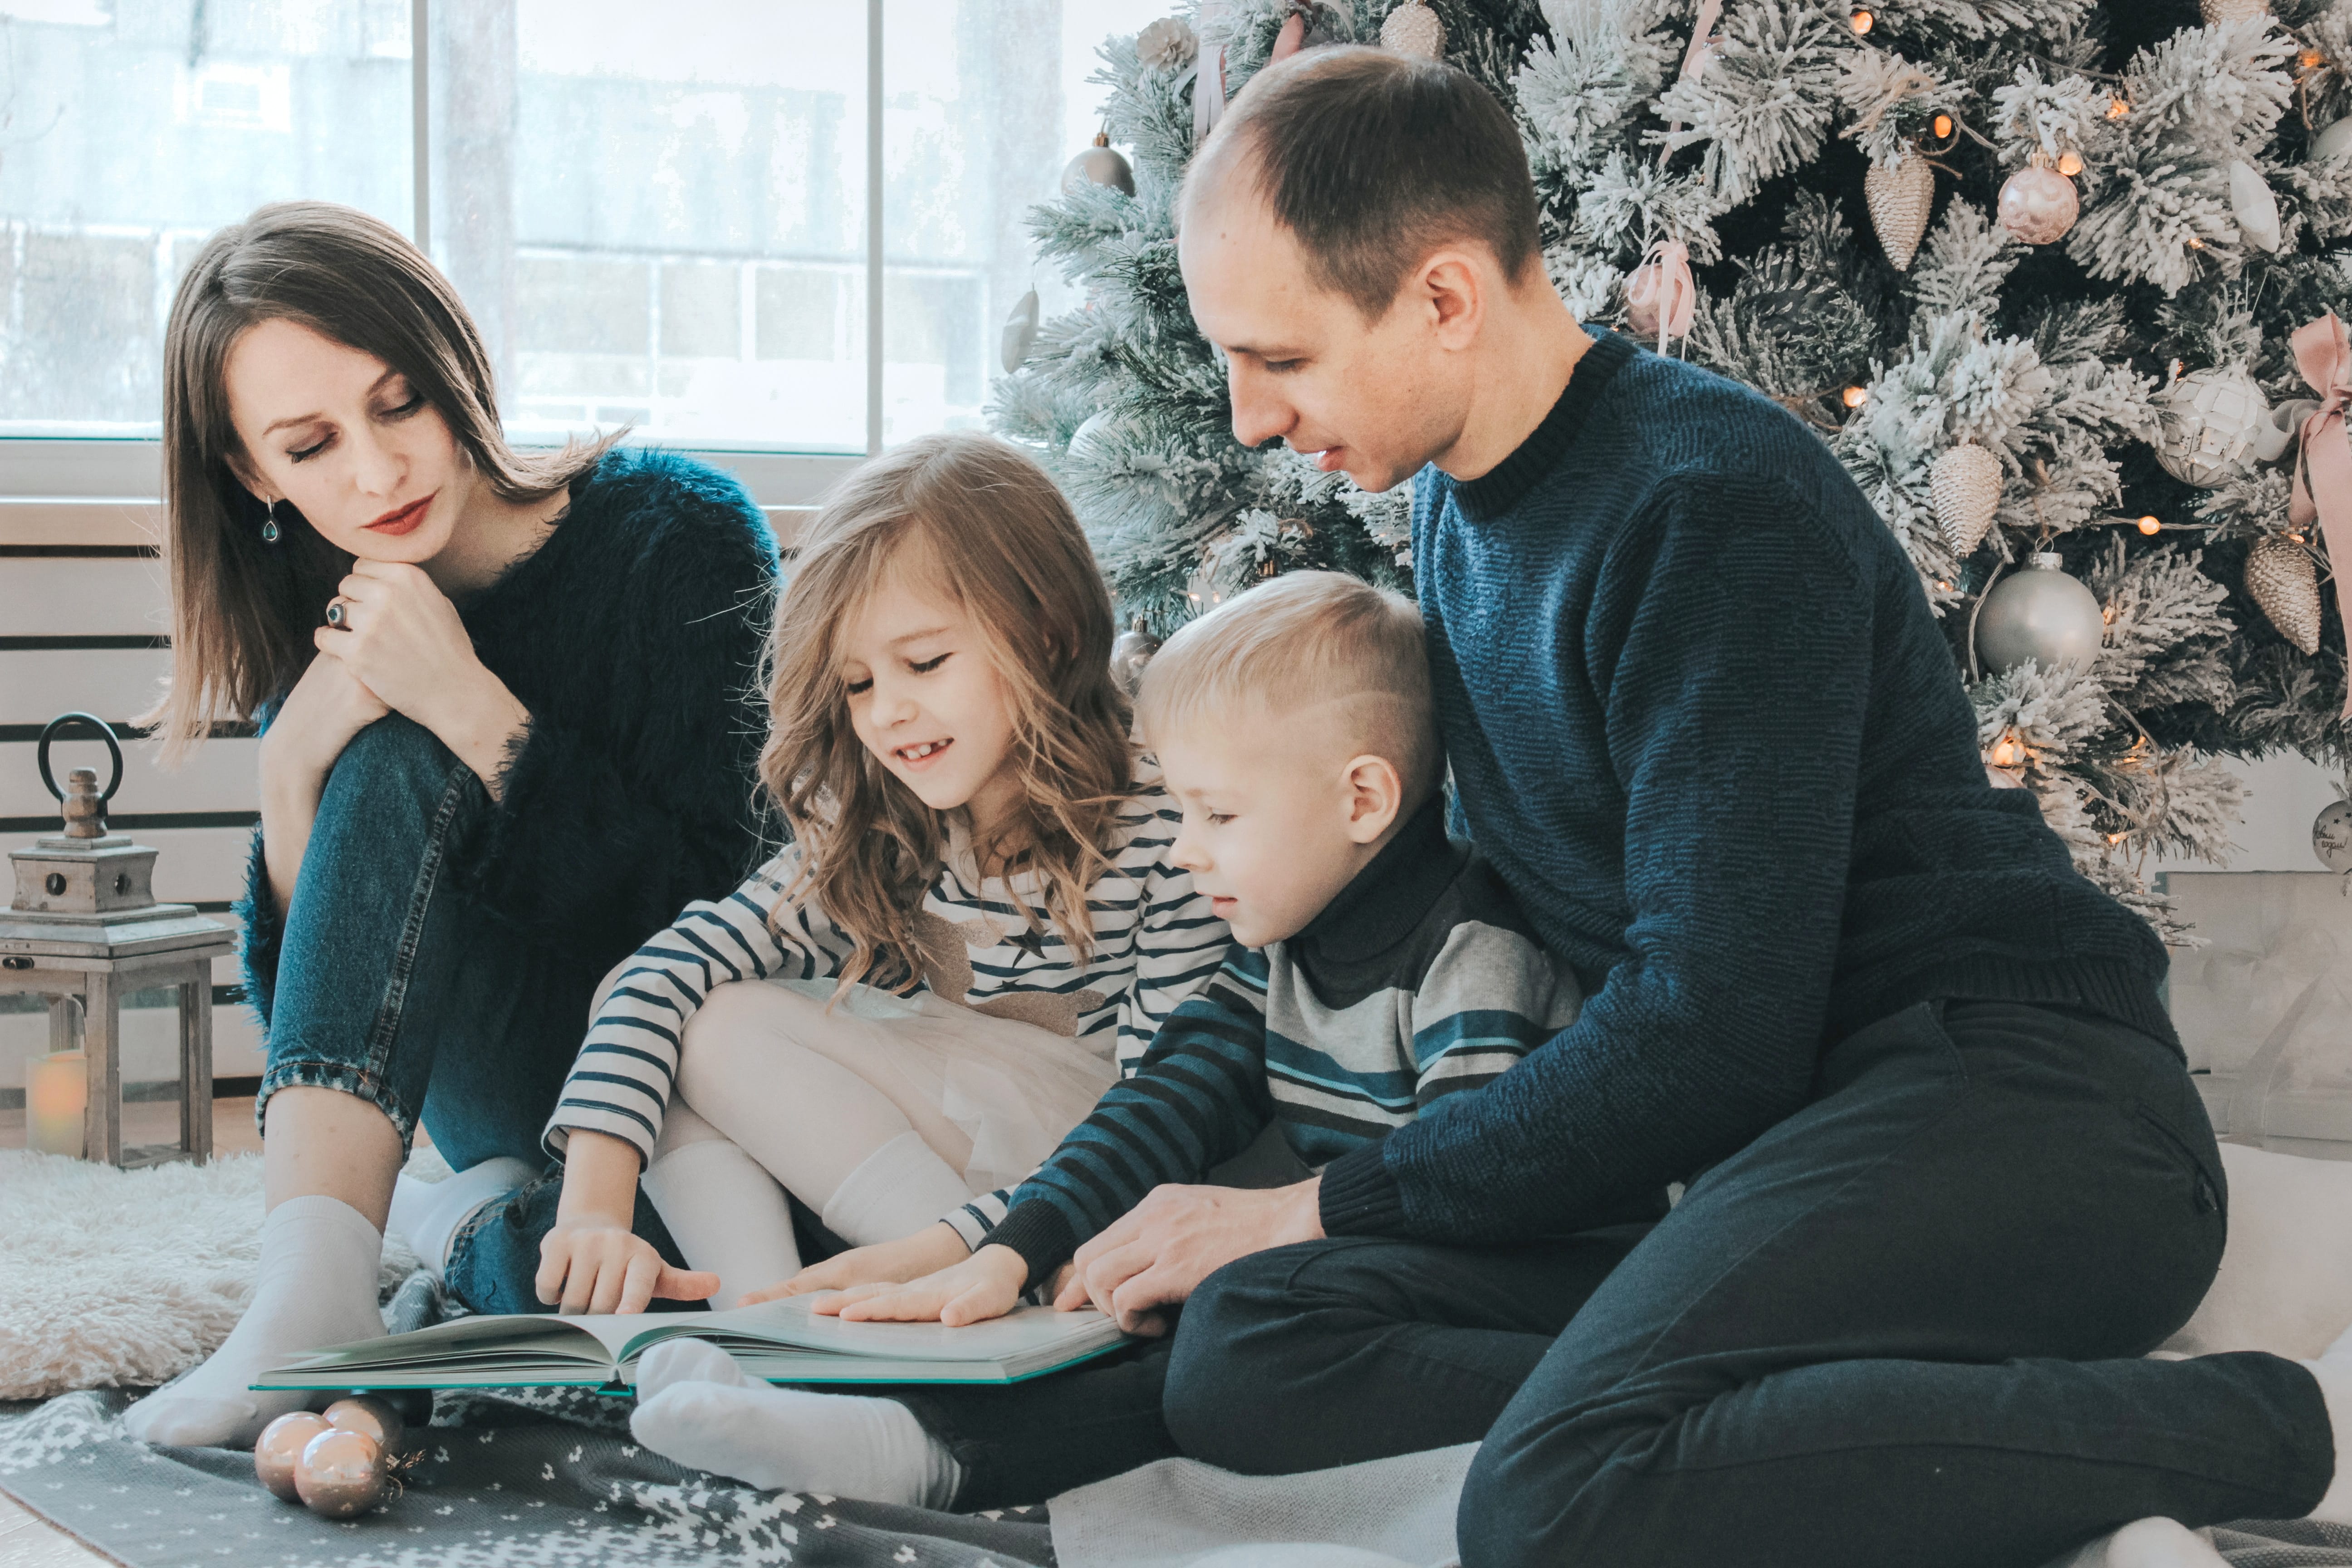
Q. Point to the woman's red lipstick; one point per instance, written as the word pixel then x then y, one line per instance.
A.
pixel 404 521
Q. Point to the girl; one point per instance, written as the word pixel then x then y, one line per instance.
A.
pixel 977 927
pixel 506 735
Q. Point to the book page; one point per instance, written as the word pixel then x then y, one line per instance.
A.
pixel 1021 1333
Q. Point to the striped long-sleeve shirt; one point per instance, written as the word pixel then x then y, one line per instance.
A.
pixel 1155 941
pixel 1420 981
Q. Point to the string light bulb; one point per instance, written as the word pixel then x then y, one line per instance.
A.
pixel 1854 396
pixel 2009 751
pixel 2311 59
pixel 2118 109
pixel 2114 839
pixel 2070 163
pixel 1862 21
pixel 1943 126
pixel 2149 526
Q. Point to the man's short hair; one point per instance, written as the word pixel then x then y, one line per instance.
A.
pixel 1374 160
pixel 1304 640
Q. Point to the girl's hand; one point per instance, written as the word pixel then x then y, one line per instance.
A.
pixel 595 1264
pixel 986 1285
pixel 401 636
pixel 327 707
pixel 927 1251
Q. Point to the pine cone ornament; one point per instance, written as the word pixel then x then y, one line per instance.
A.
pixel 1413 29
pixel 2280 576
pixel 1900 196
pixel 2216 12
pixel 1965 485
pixel 2210 421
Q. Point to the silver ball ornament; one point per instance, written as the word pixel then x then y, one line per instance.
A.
pixel 1099 165
pixel 2039 613
pixel 342 1474
pixel 2039 205
pixel 2331 836
pixel 2209 422
pixel 280 1446
pixel 1128 654
pixel 1020 333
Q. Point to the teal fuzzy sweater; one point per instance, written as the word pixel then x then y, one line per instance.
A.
pixel 1703 724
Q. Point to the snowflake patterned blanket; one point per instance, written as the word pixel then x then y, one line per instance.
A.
pixel 509 1481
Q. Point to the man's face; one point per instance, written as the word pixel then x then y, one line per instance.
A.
pixel 1378 399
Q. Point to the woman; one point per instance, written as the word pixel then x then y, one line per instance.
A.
pixel 509 729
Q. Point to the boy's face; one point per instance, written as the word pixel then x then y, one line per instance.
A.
pixel 1277 815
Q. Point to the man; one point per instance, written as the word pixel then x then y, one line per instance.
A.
pixel 1949 1179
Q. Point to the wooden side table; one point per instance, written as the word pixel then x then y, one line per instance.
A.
pixel 85 929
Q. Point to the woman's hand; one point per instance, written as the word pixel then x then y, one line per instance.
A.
pixel 594 1263
pixel 327 707
pixel 401 636
pixel 927 1251
pixel 986 1285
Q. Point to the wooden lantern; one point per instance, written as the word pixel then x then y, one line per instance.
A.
pixel 84 930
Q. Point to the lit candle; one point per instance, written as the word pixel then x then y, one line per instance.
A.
pixel 56 1088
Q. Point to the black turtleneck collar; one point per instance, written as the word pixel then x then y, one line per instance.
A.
pixel 1499 488
pixel 1384 903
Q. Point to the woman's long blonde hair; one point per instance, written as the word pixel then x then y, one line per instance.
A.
pixel 994 531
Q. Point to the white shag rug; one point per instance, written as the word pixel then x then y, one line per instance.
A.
pixel 116 1278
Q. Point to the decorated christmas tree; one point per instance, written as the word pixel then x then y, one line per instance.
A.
pixel 2054 281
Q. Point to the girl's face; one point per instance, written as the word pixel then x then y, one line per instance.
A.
pixel 346 439
pixel 925 698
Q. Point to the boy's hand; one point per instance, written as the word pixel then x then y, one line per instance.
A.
pixel 986 1285
pixel 1155 1254
pixel 595 1264
pixel 927 1251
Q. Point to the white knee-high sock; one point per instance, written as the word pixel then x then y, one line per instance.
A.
pixel 2333 1372
pixel 428 1214
pixel 696 1406
pixel 727 1214
pixel 315 1287
pixel 896 1191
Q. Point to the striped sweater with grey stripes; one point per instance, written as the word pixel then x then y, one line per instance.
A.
pixel 1420 981
pixel 1156 941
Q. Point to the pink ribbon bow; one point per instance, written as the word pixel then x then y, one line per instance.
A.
pixel 1662 297
pixel 2323 467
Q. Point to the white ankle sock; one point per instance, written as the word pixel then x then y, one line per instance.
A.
pixel 2152 1542
pixel 696 1406
pixel 428 1214
pixel 2333 1372
pixel 896 1191
pixel 727 1214
pixel 316 1286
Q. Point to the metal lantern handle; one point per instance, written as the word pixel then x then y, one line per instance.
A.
pixel 105 732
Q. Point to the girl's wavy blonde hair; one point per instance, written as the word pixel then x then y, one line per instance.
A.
pixel 987 525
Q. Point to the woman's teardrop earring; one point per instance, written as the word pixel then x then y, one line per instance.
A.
pixel 269 529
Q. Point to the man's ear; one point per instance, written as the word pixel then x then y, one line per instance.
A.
pixel 1456 289
pixel 1375 795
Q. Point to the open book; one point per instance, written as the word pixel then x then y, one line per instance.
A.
pixel 781 1341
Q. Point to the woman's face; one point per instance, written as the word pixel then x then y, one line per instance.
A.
pixel 346 439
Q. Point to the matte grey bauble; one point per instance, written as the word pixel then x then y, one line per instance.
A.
pixel 1099 165
pixel 2040 613
pixel 1020 333
pixel 2331 836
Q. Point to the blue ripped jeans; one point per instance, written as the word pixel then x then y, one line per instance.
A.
pixel 393 986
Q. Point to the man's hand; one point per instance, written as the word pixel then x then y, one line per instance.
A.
pixel 1156 1253
pixel 593 1264
pixel 986 1285
pixel 927 1251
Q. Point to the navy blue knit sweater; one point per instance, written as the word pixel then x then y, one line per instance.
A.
pixel 632 635
pixel 1703 722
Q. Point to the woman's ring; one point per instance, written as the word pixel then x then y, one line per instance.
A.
pixel 334 612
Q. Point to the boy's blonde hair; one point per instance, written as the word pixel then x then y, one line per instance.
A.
pixel 986 525
pixel 1306 639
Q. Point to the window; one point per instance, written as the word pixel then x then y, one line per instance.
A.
pixel 660 214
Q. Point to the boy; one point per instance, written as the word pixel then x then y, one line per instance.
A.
pixel 1377 968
